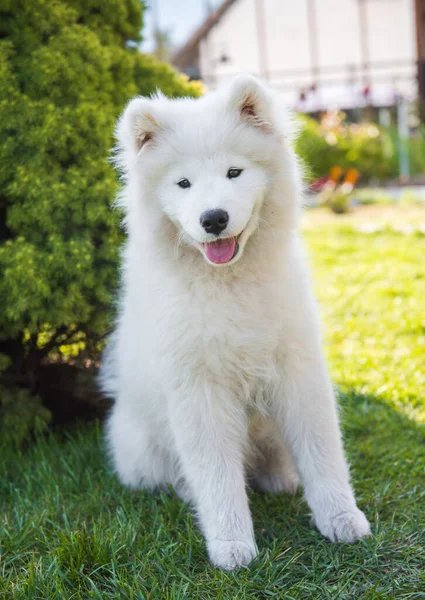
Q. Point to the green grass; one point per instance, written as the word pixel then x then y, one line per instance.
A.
pixel 69 530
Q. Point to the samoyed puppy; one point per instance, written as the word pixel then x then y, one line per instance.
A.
pixel 216 364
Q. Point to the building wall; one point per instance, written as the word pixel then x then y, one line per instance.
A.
pixel 234 36
pixel 324 42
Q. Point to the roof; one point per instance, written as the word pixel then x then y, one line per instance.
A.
pixel 203 30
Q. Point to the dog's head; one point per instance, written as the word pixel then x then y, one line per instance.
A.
pixel 207 163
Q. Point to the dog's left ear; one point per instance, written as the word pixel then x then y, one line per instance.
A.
pixel 252 101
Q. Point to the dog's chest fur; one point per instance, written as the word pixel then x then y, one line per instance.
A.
pixel 202 327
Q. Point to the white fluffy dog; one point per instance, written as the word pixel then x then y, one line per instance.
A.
pixel 216 364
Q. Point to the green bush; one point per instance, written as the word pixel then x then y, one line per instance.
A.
pixel 22 415
pixel 337 200
pixel 67 68
pixel 332 142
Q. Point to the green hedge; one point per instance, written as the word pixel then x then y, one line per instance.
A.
pixel 67 68
pixel 370 149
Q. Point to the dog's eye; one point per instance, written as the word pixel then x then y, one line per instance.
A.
pixel 232 173
pixel 184 183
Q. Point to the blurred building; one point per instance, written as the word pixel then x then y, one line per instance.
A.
pixel 317 53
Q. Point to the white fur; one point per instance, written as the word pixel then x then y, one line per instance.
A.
pixel 218 372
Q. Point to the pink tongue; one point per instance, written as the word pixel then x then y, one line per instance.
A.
pixel 221 251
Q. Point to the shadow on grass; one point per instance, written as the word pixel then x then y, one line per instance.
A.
pixel 386 451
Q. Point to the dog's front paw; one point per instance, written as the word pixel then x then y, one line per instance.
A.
pixel 231 554
pixel 348 526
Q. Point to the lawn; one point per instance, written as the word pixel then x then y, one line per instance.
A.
pixel 69 530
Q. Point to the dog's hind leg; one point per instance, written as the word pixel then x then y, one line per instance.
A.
pixel 270 465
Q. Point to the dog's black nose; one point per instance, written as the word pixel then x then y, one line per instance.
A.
pixel 214 221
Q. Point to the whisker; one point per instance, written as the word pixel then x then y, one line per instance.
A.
pixel 263 220
pixel 178 240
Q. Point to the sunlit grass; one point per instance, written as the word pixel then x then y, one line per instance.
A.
pixel 372 293
pixel 70 531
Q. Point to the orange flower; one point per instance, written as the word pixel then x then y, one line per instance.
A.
pixel 351 176
pixel 335 174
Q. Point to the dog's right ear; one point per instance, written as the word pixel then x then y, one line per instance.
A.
pixel 137 126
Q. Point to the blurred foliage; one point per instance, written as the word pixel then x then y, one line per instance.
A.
pixel 67 68
pixel 337 200
pixel 369 196
pixel 416 151
pixel 337 190
pixel 370 149
pixel 22 415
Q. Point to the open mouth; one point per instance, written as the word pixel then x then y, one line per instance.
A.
pixel 222 250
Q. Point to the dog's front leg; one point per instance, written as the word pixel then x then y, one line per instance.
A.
pixel 210 432
pixel 306 410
